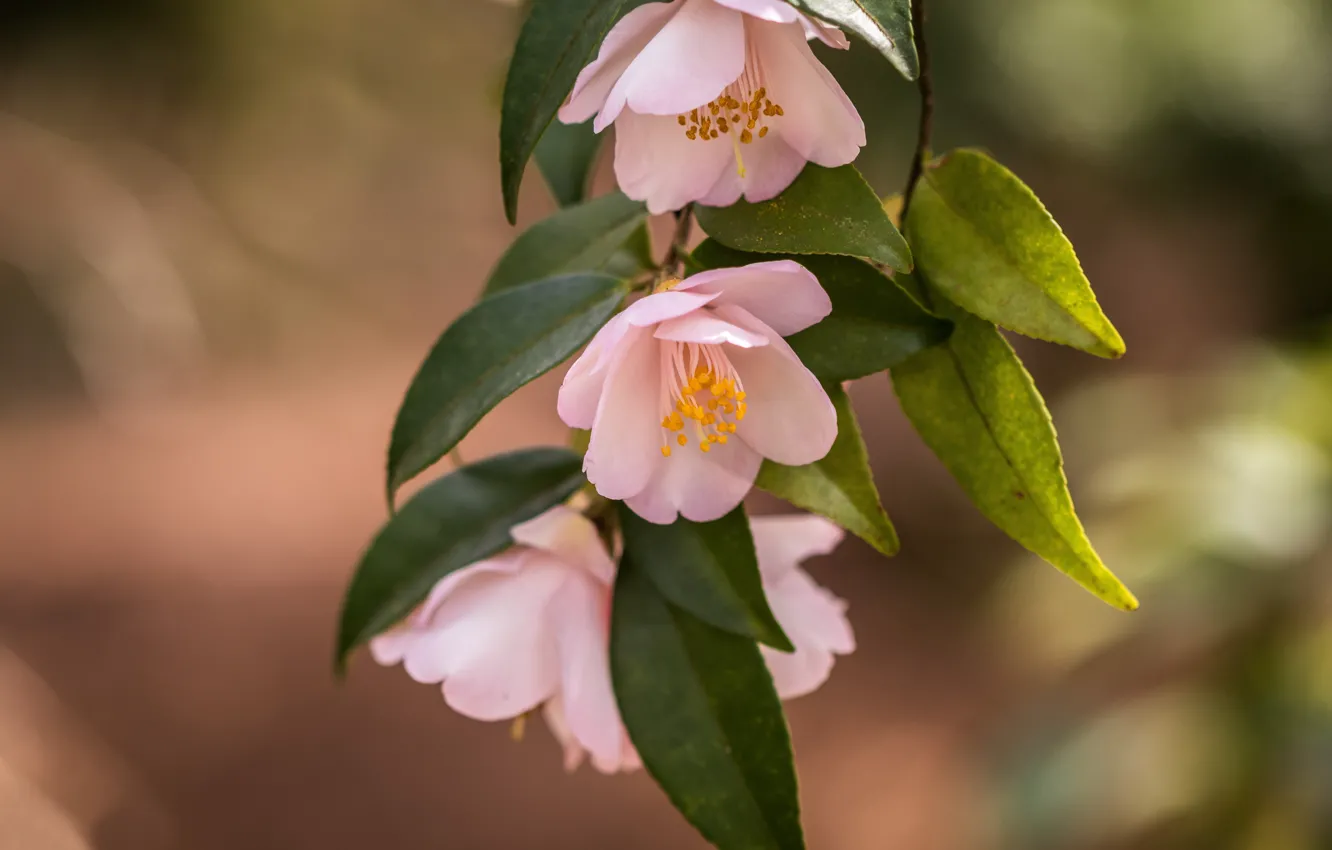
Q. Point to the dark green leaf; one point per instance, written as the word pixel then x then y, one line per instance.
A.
pixel 707 568
pixel 582 238
pixel 455 521
pixel 565 155
pixel 493 349
pixel 825 211
pixel 978 410
pixel 557 40
pixel 840 486
pixel 885 24
pixel 700 708
pixel 874 324
pixel 983 238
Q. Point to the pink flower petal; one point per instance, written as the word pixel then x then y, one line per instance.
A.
pixel 783 542
pixel 770 165
pixel 655 162
pixel 581 390
pixel 778 11
pixel 790 418
pixel 816 623
pixel 624 450
pixel 664 306
pixel 622 44
pixel 826 33
pixel 486 642
pixel 795 674
pixel 701 486
pixel 820 122
pixel 581 620
pixel 571 537
pixel 697 54
pixel 703 327
pixel 782 294
pixel 391 647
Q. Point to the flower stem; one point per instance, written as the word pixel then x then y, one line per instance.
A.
pixel 674 264
pixel 925 83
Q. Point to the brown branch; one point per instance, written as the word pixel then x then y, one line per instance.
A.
pixel 925 83
pixel 674 264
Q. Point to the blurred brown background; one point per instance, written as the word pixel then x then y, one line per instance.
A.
pixel 229 229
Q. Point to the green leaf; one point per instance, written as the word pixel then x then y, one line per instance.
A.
pixel 455 521
pixel 557 40
pixel 493 349
pixel 874 324
pixel 709 569
pixel 701 709
pixel 885 24
pixel 825 211
pixel 584 238
pixel 983 238
pixel 840 486
pixel 979 411
pixel 565 155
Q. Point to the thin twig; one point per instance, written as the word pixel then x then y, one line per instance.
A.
pixel 925 82
pixel 674 264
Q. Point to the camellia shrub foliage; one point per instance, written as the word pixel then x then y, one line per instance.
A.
pixel 617 585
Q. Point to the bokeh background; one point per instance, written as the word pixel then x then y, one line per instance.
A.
pixel 229 229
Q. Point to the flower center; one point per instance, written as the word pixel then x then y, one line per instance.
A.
pixel 741 112
pixel 701 394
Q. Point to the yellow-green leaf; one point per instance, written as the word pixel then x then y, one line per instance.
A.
pixel 977 408
pixel 984 239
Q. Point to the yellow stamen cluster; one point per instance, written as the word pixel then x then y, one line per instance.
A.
pixel 727 115
pixel 709 414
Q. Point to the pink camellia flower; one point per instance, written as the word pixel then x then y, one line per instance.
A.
pixel 527 627
pixel 712 99
pixel 688 389
pixel 812 617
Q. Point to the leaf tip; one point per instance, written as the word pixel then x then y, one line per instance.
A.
pixel 1113 344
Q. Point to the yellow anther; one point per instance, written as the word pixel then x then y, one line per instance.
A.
pixel 709 419
pixel 693 115
pixel 761 93
pixel 707 447
pixel 683 121
pixel 722 438
pixel 714 107
pixel 740 396
pixel 763 132
pixel 778 108
pixel 692 133
pixel 703 378
pixel 740 413
pixel 695 385
pixel 712 404
pixel 723 125
pixel 682 440
pixel 746 137
pixel 665 451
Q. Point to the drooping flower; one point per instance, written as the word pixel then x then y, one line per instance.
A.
pixel 527 627
pixel 714 99
pixel 812 617
pixel 688 389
